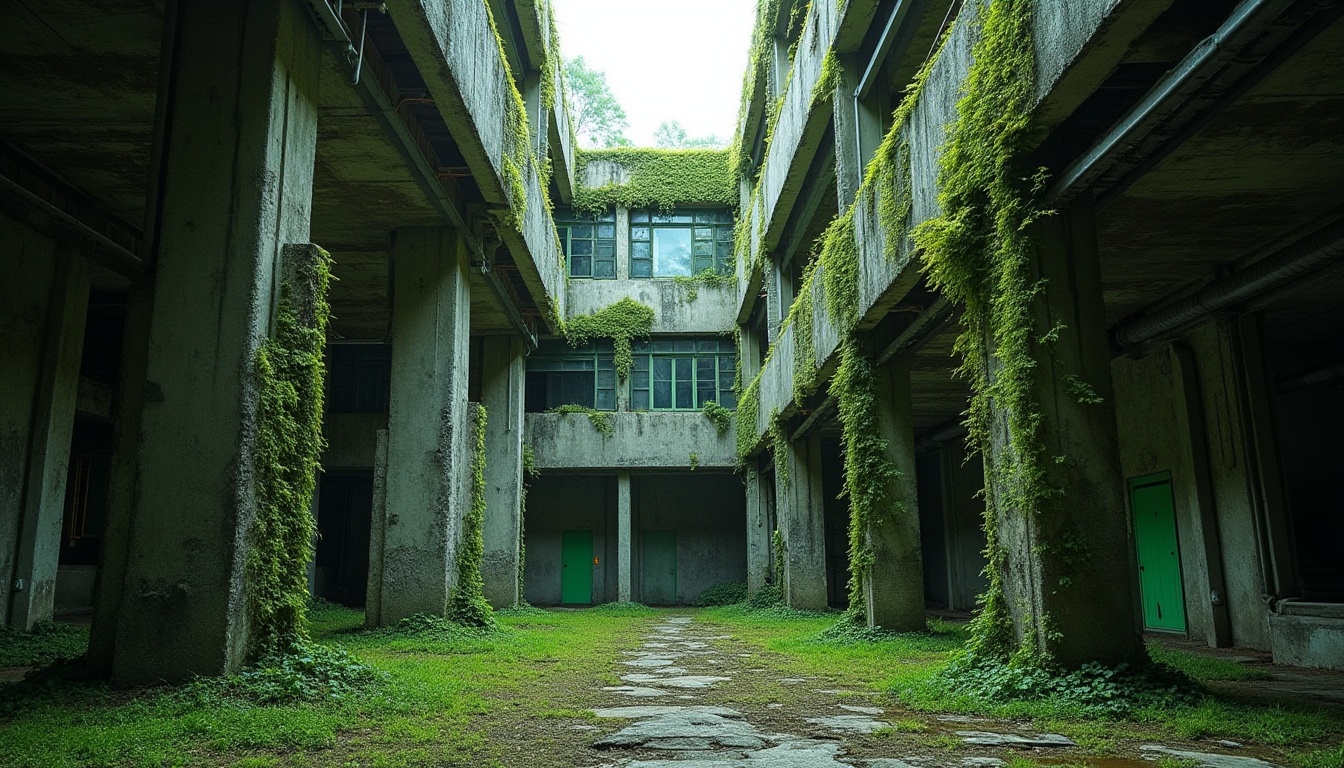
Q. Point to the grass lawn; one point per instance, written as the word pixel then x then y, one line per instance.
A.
pixel 514 698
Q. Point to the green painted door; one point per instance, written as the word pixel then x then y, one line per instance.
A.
pixel 658 558
pixel 576 567
pixel 1159 556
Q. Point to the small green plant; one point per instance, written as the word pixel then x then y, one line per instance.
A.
pixel 720 416
pixel 308 673
pixel 694 459
pixel 601 420
pixel 708 276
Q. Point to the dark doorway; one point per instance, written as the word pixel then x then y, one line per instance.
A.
pixel 344 510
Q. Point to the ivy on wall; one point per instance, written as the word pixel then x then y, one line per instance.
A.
pixel 621 322
pixel 289 375
pixel 467 605
pixel 657 178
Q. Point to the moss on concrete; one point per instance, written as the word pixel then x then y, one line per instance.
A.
pixel 621 322
pixel 658 178
pixel 467 605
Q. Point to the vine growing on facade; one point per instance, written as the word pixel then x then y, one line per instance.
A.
pixel 622 322
pixel 467 605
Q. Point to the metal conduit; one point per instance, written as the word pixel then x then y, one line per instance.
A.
pixel 1291 263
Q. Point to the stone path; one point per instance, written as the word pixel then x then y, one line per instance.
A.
pixel 666 719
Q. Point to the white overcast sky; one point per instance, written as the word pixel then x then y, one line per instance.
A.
pixel 665 59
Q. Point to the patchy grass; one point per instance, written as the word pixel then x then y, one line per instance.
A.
pixel 47 642
pixel 450 696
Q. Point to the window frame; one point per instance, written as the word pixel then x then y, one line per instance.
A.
pixel 565 222
pixel 717 224
pixel 600 354
pixel 724 358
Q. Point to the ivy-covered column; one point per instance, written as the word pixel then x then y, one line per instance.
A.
pixel 1059 542
pixel 502 395
pixel 893 587
pixel 427 413
pixel 237 187
pixel 802 522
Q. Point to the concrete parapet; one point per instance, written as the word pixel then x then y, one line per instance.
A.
pixel 639 439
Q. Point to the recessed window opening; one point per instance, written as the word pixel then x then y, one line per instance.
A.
pixel 589 243
pixel 558 374
pixel 682 374
pixel 680 243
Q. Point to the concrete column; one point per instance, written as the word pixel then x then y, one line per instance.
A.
pixel 126 413
pixel 622 243
pixel 237 188
pixel 33 581
pixel 860 126
pixel 802 525
pixel 894 585
pixel 624 539
pixel 373 598
pixel 502 396
pixel 1066 557
pixel 758 530
pixel 427 413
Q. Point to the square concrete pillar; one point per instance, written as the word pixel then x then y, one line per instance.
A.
pixel 894 585
pixel 759 552
pixel 425 495
pixel 502 367
pixel 237 188
pixel 798 496
pixel 624 539
pixel 41 512
pixel 1066 557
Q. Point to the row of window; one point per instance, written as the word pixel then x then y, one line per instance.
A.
pixel 678 244
pixel 666 374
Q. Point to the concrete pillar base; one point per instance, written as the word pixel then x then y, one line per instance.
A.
pixel 802 525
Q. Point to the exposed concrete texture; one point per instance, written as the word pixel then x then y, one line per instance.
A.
pixel 502 396
pixel 662 440
pixel 1067 573
pixel 427 417
pixel 893 587
pixel 452 43
pixel 559 503
pixel 801 524
pixel 373 595
pixel 47 371
pixel 1308 641
pixel 624 530
pixel 712 311
pixel 237 188
pixel 1229 467
pixel 30 267
pixel 759 554
pixel 350 439
pixel 706 512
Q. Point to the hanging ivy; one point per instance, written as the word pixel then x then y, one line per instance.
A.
pixel 658 178
pixel 467 605
pixel 621 322
pixel 289 375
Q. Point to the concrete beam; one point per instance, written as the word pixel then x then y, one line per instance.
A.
pixel 237 188
pixel 427 416
pixel 639 439
pixel 502 370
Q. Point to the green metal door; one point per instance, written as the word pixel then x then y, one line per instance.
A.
pixel 1159 557
pixel 658 585
pixel 576 567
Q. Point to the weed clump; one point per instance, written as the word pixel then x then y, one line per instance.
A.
pixel 45 643
pixel 727 593
pixel 768 597
pixel 306 673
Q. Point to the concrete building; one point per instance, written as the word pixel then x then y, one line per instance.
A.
pixel 161 163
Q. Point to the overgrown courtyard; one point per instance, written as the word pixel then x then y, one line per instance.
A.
pixel 524 694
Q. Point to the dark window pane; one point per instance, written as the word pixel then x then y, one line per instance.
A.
pixel 639 401
pixel 583 230
pixel 704 217
pixel 684 345
pixel 706 346
pixel 662 369
pixel 639 216
pixel 581 266
pixel 604 268
pixel 705 368
pixel 703 395
pixel 639 379
pixel 727 399
pixel 605 248
pixel 702 249
pixel 641 251
pixel 702 263
pixel 581 248
pixel 662 394
pixel 607 231
pixel 606 379
pixel 684 399
pixel 606 400
pixel 725 234
pixel 725 217
pixel 640 234
pixel 662 346
pixel 683 368
pixel 574 388
pixel 641 268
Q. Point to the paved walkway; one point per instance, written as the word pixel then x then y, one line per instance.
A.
pixel 692 697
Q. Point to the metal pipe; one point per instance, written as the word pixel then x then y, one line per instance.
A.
pixel 1283 267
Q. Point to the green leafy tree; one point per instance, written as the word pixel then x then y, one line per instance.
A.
pixel 672 135
pixel 597 117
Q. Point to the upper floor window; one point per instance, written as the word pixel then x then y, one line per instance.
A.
pixel 558 374
pixel 360 375
pixel 589 242
pixel 682 374
pixel 680 244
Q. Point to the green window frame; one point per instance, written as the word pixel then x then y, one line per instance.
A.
pixel 682 374
pixel 589 243
pixel 680 243
pixel 555 369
